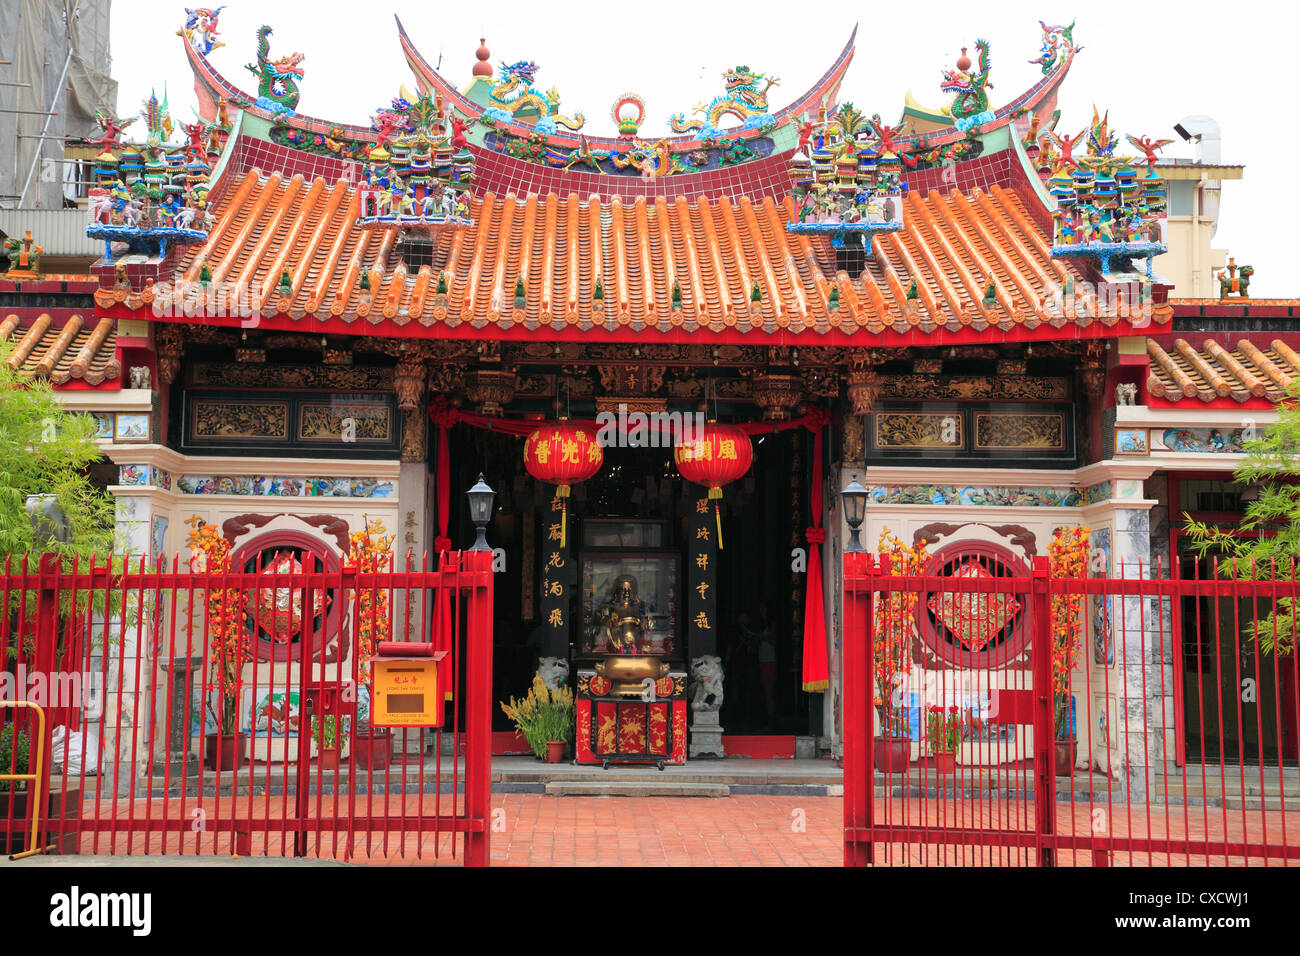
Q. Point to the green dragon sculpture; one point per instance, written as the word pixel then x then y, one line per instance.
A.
pixel 277 80
pixel 741 98
pixel 970 104
pixel 508 100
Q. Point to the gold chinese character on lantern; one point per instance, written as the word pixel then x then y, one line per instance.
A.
pixel 727 449
pixel 541 452
pixel 569 452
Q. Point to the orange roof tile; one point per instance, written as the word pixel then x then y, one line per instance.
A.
pixel 1212 372
pixel 953 245
pixel 73 351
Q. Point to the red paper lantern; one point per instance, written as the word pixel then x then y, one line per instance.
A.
pixel 720 455
pixel 563 454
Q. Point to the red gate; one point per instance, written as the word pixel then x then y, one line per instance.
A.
pixel 1118 793
pixel 129 665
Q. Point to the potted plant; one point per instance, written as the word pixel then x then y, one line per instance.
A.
pixel 943 732
pixel 1068 555
pixel 228 648
pixel 546 719
pixel 328 732
pixel 370 551
pixel 892 651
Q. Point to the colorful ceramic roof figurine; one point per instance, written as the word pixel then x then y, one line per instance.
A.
pixel 849 183
pixel 1104 209
pixel 1058 42
pixel 969 89
pixel 417 173
pixel 741 98
pixel 512 97
pixel 152 193
pixel 277 87
pixel 201 28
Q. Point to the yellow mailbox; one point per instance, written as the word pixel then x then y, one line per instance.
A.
pixel 404 688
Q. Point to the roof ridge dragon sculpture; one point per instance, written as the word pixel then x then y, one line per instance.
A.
pixel 741 98
pixel 505 108
pixel 277 80
pixel 970 105
pixel 1058 43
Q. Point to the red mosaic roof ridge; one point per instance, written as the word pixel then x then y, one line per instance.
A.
pixel 74 350
pixel 953 244
pixel 1250 370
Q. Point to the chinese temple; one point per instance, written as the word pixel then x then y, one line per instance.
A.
pixel 666 355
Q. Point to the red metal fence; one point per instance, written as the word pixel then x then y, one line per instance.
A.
pixel 1178 736
pixel 127 663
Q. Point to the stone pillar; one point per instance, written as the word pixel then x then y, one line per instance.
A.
pixel 412 535
pixel 127 694
pixel 1144 662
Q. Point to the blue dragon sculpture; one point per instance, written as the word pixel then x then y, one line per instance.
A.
pixel 741 98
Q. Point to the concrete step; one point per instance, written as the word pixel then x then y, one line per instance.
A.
pixel 631 788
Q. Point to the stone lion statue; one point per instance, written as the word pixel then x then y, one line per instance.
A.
pixel 706 683
pixel 554 672
pixel 1126 394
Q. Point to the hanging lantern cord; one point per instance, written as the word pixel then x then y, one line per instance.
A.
pixel 562 492
pixel 715 494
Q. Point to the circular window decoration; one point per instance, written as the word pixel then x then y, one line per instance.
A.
pixel 974 629
pixel 282 611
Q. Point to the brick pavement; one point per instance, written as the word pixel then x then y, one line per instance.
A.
pixel 740 830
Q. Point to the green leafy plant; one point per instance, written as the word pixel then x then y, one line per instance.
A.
pixel 1265 544
pixel 544 715
pixel 47 450
pixel 15 752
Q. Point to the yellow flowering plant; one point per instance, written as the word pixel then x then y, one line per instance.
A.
pixel 370 551
pixel 892 647
pixel 229 647
pixel 1068 557
pixel 543 715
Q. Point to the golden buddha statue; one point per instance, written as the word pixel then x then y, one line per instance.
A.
pixel 623 635
pixel 624 625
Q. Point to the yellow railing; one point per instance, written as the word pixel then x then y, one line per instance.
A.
pixel 34 794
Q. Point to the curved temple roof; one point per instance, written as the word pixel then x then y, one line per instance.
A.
pixel 825 89
pixel 1247 371
pixel 661 266
pixel 77 350
pixel 763 175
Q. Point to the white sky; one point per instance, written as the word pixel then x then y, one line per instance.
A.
pixel 1151 63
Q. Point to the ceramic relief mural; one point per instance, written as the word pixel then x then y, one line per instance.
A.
pixel 266 486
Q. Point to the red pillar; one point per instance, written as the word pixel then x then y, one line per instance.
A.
pixel 478 709
pixel 859 781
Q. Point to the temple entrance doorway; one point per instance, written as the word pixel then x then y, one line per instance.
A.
pixel 760 592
